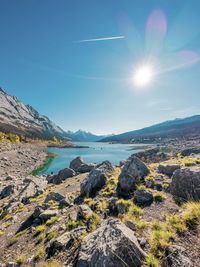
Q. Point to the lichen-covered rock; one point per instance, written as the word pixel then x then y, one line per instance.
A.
pixel 113 245
pixel 96 179
pixel 132 173
pixel 105 166
pixel 186 184
pixel 65 241
pixel 62 200
pixel 168 169
pixel 30 190
pixel 47 214
pixel 61 176
pixel 143 198
pixel 93 183
pixel 84 211
pixel 176 258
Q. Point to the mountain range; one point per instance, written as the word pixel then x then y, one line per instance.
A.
pixel 84 136
pixel 22 119
pixel 169 129
pixel 17 117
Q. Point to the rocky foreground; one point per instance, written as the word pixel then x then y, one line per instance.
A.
pixel 144 212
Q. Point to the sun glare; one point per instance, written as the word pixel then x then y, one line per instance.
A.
pixel 143 75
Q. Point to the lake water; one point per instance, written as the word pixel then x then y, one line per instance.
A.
pixel 96 153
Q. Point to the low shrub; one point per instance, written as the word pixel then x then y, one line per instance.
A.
pixel 21 260
pixel 151 261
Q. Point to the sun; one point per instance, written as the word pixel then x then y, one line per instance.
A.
pixel 143 75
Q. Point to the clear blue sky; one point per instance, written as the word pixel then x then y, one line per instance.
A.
pixel 88 85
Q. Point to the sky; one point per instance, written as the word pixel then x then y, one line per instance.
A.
pixel 75 60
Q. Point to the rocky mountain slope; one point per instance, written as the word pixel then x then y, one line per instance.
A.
pixel 186 127
pixel 19 118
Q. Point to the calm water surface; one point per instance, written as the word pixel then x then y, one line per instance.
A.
pixel 96 153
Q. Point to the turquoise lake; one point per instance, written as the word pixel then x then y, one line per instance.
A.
pixel 96 153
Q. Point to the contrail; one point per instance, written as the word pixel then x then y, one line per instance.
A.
pixel 100 39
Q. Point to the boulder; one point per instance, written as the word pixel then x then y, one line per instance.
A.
pixel 37 211
pixel 186 184
pixel 105 166
pixel 168 169
pixel 176 258
pixel 143 198
pixel 152 155
pixel 79 166
pixel 7 191
pixel 47 214
pixel 112 206
pixel 65 241
pixel 86 168
pixel 63 200
pixel 188 151
pixel 93 183
pixel 112 244
pixel 76 163
pixel 96 179
pixel 30 190
pixel 61 176
pixel 132 173
pixel 84 211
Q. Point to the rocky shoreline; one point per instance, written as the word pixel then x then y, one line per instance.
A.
pixel 101 215
pixel 18 161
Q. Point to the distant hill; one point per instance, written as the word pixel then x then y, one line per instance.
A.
pixel 22 119
pixel 174 128
pixel 84 136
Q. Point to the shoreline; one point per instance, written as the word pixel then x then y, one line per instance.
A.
pixel 18 161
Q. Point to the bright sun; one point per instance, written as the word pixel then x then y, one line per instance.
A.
pixel 143 75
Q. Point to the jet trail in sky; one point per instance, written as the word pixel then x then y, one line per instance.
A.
pixel 101 39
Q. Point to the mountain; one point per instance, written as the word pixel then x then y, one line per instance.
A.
pixel 22 119
pixel 170 129
pixel 84 136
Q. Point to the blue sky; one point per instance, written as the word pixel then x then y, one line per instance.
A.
pixel 89 85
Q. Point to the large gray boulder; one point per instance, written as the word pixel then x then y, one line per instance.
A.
pixel 76 163
pixel 132 173
pixel 168 169
pixel 113 244
pixel 93 183
pixel 96 179
pixel 79 166
pixel 61 176
pixel 186 184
